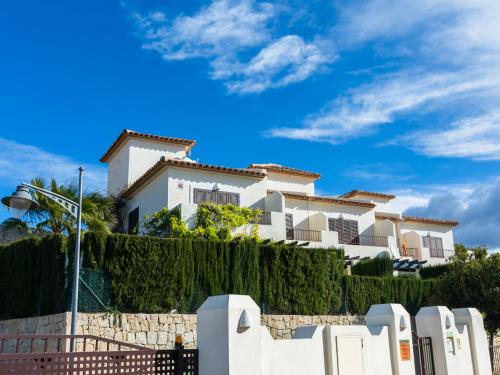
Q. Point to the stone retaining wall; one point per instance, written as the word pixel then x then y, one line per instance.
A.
pixel 159 330
pixel 155 330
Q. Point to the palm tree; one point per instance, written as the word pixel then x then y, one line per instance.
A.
pixel 97 209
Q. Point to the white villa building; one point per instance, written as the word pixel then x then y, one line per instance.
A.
pixel 150 172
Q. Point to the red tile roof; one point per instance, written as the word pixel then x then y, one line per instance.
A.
pixel 126 133
pixel 425 220
pixel 368 194
pixel 332 200
pixel 277 168
pixel 413 219
pixel 163 162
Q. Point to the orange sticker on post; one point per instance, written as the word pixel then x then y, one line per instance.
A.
pixel 405 350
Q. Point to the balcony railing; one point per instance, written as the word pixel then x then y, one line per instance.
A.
pixel 303 235
pixel 365 240
pixel 265 218
pixel 436 253
pixel 408 252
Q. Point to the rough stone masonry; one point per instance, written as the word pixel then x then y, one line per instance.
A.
pixel 156 331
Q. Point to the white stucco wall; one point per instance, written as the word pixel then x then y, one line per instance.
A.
pixel 134 158
pixel 289 183
pixel 301 211
pixel 144 154
pixel 150 198
pixel 444 232
pixel 252 190
pixel 118 167
pixel 411 231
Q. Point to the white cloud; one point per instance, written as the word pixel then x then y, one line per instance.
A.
pixel 21 163
pixel 475 207
pixel 218 30
pixel 287 60
pixel 381 101
pixel 476 138
pixel 444 51
pixel 224 31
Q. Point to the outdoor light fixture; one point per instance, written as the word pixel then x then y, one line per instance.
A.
pixel 246 320
pixel 20 202
pixel 178 342
pixel 216 187
pixel 402 324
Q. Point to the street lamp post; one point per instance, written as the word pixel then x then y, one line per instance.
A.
pixel 21 202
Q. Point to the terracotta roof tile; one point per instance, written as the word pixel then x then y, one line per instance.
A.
pixel 126 133
pixel 163 162
pixel 368 194
pixel 277 168
pixel 425 220
pixel 413 219
pixel 333 200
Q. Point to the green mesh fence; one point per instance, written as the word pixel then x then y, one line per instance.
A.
pixel 96 295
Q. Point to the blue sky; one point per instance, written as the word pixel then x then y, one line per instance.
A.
pixel 391 96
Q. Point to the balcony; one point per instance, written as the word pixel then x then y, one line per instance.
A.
pixel 365 240
pixel 408 252
pixel 303 235
pixel 265 219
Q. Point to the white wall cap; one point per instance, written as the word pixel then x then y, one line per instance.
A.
pixel 434 310
pixel 228 301
pixel 386 309
pixel 466 313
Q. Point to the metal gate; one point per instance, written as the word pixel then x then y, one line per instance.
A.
pixel 50 355
pixel 424 359
pixel 495 359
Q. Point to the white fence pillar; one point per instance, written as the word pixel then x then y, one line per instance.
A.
pixel 450 347
pixel 397 319
pixel 477 339
pixel 229 336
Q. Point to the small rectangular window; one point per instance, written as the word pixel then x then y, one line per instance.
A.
pixel 219 197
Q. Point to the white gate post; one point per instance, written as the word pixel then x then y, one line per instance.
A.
pixel 229 336
pixel 478 339
pixel 400 337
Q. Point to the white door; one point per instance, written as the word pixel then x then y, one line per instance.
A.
pixel 350 355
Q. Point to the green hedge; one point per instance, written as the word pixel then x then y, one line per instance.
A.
pixel 149 274
pixel 32 276
pixel 433 272
pixel 153 274
pixel 412 293
pixel 381 266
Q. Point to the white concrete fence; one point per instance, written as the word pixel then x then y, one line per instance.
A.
pixel 232 342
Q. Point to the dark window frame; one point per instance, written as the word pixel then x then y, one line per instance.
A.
pixel 218 197
pixel 133 221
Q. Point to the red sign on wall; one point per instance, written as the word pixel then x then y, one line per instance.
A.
pixel 405 350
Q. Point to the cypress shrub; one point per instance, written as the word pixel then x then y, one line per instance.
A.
pixel 149 274
pixel 296 280
pixel 381 266
pixel 93 249
pixel 412 293
pixel 32 276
